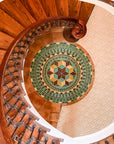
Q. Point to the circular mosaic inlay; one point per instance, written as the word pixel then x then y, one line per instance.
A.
pixel 62 72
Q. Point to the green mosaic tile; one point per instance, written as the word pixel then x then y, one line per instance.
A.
pixel 61 72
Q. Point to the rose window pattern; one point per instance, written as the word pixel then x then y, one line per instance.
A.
pixel 62 72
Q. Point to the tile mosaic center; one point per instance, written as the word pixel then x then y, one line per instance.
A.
pixel 62 72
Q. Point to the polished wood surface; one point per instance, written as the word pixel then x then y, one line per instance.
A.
pixel 35 9
pixel 74 8
pixel 50 7
pixel 2 53
pixel 80 10
pixel 5 40
pixel 17 11
pixel 9 25
pixel 62 7
pixel 85 11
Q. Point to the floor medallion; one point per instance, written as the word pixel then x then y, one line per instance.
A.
pixel 62 72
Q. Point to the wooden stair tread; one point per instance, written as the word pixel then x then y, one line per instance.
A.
pixel 85 11
pixel 17 11
pixel 25 120
pixel 5 40
pixel 9 25
pixel 62 7
pixel 35 9
pixel 2 53
pixel 74 8
pixel 13 111
pixel 50 7
pixel 34 132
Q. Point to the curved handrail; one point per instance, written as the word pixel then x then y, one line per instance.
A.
pixel 4 63
pixel 6 58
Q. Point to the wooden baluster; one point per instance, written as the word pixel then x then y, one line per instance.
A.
pixel 19 141
pixel 53 141
pixel 11 73
pixel 39 131
pixel 30 138
pixel 46 140
pixel 13 106
pixel 19 122
pixel 10 122
pixel 10 89
pixel 14 95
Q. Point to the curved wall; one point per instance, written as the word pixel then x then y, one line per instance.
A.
pixel 102 4
pixel 95 111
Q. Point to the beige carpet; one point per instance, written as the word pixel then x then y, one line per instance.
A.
pixel 96 110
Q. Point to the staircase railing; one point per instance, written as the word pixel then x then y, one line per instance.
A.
pixel 17 120
pixel 19 124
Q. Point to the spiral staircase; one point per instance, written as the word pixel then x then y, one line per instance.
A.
pixel 21 23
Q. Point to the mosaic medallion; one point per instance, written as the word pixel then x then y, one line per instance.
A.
pixel 62 72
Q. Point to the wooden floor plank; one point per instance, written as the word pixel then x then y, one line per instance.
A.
pixel 85 11
pixel 9 25
pixel 35 8
pixel 17 11
pixel 50 7
pixel 62 7
pixel 74 8
pixel 5 40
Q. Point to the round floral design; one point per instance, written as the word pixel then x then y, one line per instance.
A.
pixel 61 72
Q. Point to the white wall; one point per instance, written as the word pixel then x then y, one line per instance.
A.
pixel 102 4
pixel 96 110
